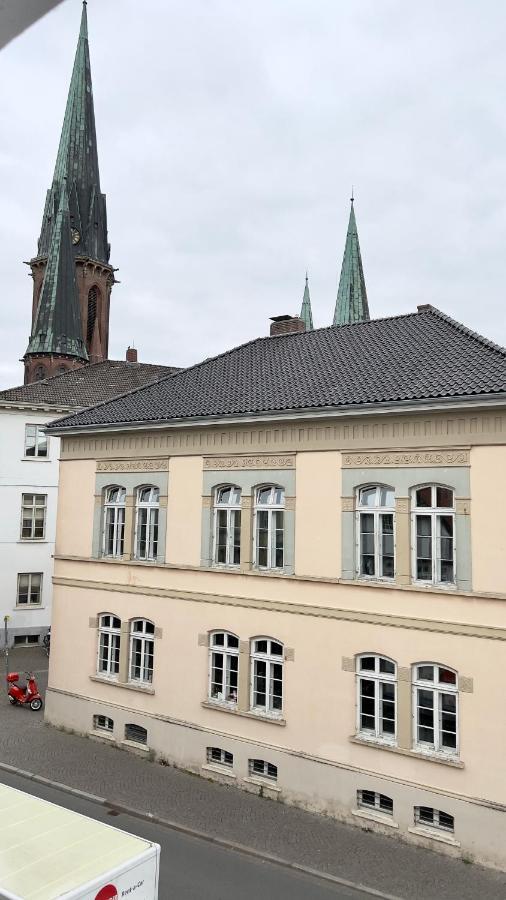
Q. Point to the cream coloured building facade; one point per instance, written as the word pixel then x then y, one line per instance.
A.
pixel 307 603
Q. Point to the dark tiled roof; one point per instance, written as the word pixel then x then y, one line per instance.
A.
pixel 422 356
pixel 88 385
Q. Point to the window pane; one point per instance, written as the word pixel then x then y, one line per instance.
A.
pixel 425 673
pixel 444 497
pixel 423 497
pixel 367 663
pixel 41 443
pixel 386 803
pixel 446 676
pixel 387 496
pixel 426 814
pixel 264 495
pixel 446 821
pixel 30 440
pixel 368 497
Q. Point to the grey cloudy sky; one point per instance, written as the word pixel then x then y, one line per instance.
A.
pixel 230 134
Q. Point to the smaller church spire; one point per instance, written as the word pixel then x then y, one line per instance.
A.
pixel 351 303
pixel 57 326
pixel 306 313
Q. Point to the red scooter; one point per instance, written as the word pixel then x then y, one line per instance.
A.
pixel 27 695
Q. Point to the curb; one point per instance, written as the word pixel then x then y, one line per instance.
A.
pixel 195 833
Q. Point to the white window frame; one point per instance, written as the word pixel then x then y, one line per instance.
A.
pixel 438 689
pixel 39 438
pixel 378 679
pixel 29 604
pixel 107 626
pixel 436 823
pixel 31 507
pixel 116 510
pixel 376 805
pixel 271 509
pixel 265 774
pixel 270 659
pixel 435 513
pixel 233 513
pixel 107 726
pixel 146 638
pixel 152 508
pixel 222 761
pixel 377 512
pixel 229 652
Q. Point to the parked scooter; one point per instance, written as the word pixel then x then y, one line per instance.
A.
pixel 27 695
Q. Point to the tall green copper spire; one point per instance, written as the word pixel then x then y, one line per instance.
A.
pixel 305 313
pixel 57 325
pixel 77 161
pixel 351 304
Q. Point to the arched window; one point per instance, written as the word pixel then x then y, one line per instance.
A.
pixel 433 524
pixel 267 675
pixel 114 521
pixel 109 637
pixel 39 373
pixel 223 667
pixel 269 527
pixel 375 532
pixel 435 701
pixel 142 646
pixel 103 723
pixel 376 697
pixel 434 818
pixel 227 526
pixel 146 522
pixel 91 312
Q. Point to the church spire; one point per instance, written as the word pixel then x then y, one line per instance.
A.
pixel 305 313
pixel 351 304
pixel 57 327
pixel 77 161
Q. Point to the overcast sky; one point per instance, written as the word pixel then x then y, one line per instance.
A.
pixel 229 136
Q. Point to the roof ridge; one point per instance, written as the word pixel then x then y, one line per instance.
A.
pixel 459 326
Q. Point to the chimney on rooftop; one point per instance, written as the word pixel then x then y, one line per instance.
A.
pixel 131 354
pixel 286 325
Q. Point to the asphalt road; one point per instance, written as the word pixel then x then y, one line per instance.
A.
pixel 196 869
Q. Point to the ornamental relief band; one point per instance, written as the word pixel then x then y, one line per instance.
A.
pixel 133 465
pixel 249 462
pixel 399 458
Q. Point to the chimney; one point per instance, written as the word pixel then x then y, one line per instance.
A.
pixel 131 354
pixel 286 325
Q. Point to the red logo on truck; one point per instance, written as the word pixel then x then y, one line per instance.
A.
pixel 109 892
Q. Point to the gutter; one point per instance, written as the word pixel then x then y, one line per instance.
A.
pixel 487 401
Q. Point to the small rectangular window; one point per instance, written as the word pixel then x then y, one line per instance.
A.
pixel 374 800
pixel 29 589
pixel 23 639
pixel 33 516
pixel 36 443
pixel 103 723
pixel 434 818
pixel 136 733
pixel 220 757
pixel 262 769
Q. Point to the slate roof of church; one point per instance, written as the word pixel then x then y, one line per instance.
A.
pixel 417 357
pixel 351 303
pixel 88 385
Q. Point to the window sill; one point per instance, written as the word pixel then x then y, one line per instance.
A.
pixel 218 770
pixel 133 745
pixel 271 720
pixel 43 459
pixel 32 541
pixel 123 684
pixel 22 606
pixel 434 835
pixel 377 817
pixel 416 754
pixel 263 782
pixel 102 736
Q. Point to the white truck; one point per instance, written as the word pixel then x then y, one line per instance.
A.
pixel 51 853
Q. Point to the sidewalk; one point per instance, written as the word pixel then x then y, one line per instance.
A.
pixel 225 812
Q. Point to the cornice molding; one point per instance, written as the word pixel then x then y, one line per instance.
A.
pixel 133 465
pixel 403 459
pixel 220 463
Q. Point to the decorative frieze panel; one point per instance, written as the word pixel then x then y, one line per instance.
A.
pixel 463 506
pixel 400 458
pixel 221 463
pixel 347 664
pixel 202 640
pixel 133 465
pixel 347 504
pixel 403 673
pixel 466 684
pixel 289 654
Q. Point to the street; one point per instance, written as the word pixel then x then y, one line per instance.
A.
pixel 193 866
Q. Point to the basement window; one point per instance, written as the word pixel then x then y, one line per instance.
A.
pixel 103 723
pixel 434 818
pixel 262 769
pixel 22 640
pixel 219 757
pixel 136 733
pixel 373 800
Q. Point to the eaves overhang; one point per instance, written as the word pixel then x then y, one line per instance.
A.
pixel 359 409
pixel 37 407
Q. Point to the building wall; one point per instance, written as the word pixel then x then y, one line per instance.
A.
pixel 19 475
pixel 322 614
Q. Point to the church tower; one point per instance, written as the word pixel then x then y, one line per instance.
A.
pixel 351 303
pixel 72 276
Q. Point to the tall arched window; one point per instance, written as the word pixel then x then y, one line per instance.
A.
pixel 146 522
pixel 91 312
pixel 433 525
pixel 435 701
pixel 376 696
pixel 227 526
pixel 142 647
pixel 114 521
pixel 109 636
pixel 223 667
pixel 267 675
pixel 375 532
pixel 269 527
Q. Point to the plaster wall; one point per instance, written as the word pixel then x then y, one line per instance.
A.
pixel 488 531
pixel 76 503
pixel 184 510
pixel 318 514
